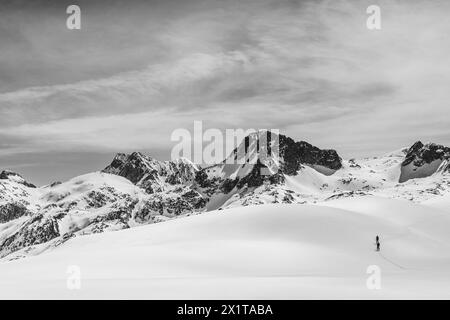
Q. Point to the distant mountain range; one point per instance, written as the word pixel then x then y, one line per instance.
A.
pixel 136 189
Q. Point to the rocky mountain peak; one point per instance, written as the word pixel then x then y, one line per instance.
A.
pixel 423 160
pixel 282 156
pixel 149 173
pixel 420 153
pixel 296 153
pixel 13 176
pixel 286 153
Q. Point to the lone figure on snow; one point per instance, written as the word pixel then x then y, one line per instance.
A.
pixel 377 239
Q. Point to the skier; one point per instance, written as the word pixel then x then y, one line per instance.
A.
pixel 377 240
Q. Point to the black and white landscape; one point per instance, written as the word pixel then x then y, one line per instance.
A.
pixel 93 205
pixel 225 231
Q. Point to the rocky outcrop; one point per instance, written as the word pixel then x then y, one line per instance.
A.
pixel 39 229
pixel 11 211
pixel 151 174
pixel 10 175
pixel 420 154
pixel 423 160
pixel 168 206
pixel 296 153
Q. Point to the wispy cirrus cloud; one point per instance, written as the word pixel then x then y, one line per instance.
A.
pixel 309 68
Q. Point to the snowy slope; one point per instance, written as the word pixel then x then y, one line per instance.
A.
pixel 135 190
pixel 259 252
pixel 91 203
pixel 15 189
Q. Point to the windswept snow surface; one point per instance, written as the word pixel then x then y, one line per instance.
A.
pixel 277 251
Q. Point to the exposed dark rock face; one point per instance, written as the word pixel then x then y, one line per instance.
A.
pixel 39 229
pixel 127 166
pixel 98 199
pixel 292 156
pixel 202 179
pixel 54 184
pixel 150 174
pixel 174 205
pixel 423 160
pixel 420 154
pixel 297 153
pixel 255 178
pixel 228 185
pixel 5 174
pixel 180 172
pixel 121 216
pixel 11 211
pixel 195 199
pixel 168 183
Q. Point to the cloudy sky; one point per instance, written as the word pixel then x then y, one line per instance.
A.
pixel 137 70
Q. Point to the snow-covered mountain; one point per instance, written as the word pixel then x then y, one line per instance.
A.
pixel 424 160
pixel 136 189
pixel 150 174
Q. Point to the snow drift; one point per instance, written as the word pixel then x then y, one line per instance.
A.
pixel 298 251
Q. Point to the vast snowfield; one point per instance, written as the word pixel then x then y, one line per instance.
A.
pixel 273 251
